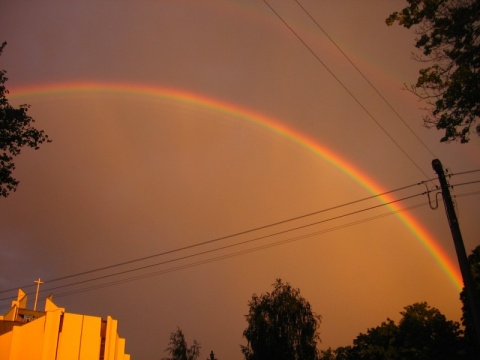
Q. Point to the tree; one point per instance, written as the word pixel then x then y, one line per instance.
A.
pixel 448 33
pixel 340 353
pixel 377 344
pixel 16 131
pixel 281 326
pixel 423 332
pixel 178 348
pixel 212 356
pixel 467 321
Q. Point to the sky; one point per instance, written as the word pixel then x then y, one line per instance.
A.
pixel 190 142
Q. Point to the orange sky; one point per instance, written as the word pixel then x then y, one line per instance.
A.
pixel 129 176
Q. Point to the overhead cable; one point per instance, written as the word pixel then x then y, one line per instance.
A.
pixel 217 258
pixel 464 172
pixel 365 78
pixel 218 239
pixel 256 239
pixel 346 89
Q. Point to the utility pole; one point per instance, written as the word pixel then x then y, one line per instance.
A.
pixel 38 282
pixel 460 249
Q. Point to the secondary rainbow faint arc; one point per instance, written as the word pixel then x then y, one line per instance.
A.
pixel 266 122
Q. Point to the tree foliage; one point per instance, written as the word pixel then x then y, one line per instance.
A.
pixel 377 343
pixel 178 348
pixel 281 326
pixel 448 34
pixel 212 356
pixel 16 131
pixel 467 321
pixel 423 332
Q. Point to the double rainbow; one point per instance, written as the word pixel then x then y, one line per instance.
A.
pixel 181 96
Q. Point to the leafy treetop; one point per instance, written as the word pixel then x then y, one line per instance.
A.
pixel 423 332
pixel 467 321
pixel 16 131
pixel 448 33
pixel 281 326
pixel 178 348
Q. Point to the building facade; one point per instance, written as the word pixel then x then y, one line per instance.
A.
pixel 54 334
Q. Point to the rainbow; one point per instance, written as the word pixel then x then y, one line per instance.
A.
pixel 273 125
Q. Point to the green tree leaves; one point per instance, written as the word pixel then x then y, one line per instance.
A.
pixel 448 33
pixel 178 348
pixel 467 321
pixel 16 131
pixel 423 332
pixel 281 325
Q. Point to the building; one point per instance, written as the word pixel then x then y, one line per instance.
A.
pixel 54 334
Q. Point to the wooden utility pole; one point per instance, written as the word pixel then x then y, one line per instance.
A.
pixel 460 249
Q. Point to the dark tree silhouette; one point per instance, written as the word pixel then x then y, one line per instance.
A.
pixel 281 326
pixel 423 332
pixel 16 131
pixel 212 356
pixel 377 343
pixel 178 348
pixel 474 261
pixel 448 33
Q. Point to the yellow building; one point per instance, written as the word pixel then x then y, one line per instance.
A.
pixel 54 334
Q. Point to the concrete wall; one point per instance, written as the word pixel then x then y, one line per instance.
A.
pixel 79 338
pixel 70 337
pixel 5 345
pixel 62 336
pixel 27 340
pixel 90 346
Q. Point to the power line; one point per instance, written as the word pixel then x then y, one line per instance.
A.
pixel 221 257
pixel 467 194
pixel 254 249
pixel 256 239
pixel 365 78
pixel 250 230
pixel 242 252
pixel 465 172
pixel 346 89
pixel 218 239
pixel 465 183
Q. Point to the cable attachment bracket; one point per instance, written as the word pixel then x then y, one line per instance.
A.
pixel 433 203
